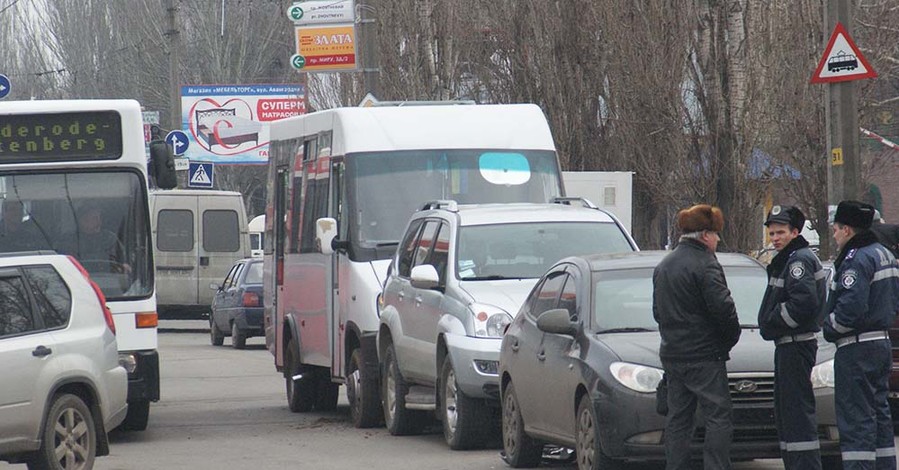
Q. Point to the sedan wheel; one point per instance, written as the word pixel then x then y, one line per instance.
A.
pixel 238 338
pixel 589 453
pixel 216 337
pixel 69 438
pixel 520 450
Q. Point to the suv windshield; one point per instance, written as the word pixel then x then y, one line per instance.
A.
pixel 100 218
pixel 527 250
pixel 384 189
pixel 623 299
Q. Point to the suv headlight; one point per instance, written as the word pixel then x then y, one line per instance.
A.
pixel 489 321
pixel 822 375
pixel 636 377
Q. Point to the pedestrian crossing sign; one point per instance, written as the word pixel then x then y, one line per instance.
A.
pixel 200 175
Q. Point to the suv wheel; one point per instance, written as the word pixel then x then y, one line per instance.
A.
pixel 362 393
pixel 216 337
pixel 238 338
pixel 300 392
pixel 399 420
pixel 69 438
pixel 520 450
pixel 464 418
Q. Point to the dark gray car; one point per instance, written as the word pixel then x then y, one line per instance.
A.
pixel 579 367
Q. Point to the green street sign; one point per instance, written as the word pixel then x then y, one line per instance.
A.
pixel 295 12
pixel 298 61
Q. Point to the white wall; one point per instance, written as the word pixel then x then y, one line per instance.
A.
pixel 609 190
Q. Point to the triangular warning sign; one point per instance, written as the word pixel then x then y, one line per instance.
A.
pixel 842 60
pixel 200 176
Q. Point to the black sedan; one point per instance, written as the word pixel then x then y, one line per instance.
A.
pixel 579 367
pixel 237 305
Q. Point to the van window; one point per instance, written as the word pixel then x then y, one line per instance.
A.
pixel 221 231
pixel 175 230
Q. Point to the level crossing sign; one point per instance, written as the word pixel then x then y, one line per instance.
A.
pixel 200 175
pixel 842 61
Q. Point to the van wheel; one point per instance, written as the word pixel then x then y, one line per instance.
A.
pixel 399 420
pixel 238 338
pixel 69 437
pixel 327 392
pixel 464 418
pixel 519 448
pixel 138 415
pixel 216 337
pixel 362 393
pixel 300 392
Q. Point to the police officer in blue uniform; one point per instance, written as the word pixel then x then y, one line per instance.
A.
pixel 790 313
pixel 863 301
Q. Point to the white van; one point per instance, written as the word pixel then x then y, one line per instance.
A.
pixel 256 228
pixel 198 235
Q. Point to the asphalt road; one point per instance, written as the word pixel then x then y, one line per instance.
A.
pixel 223 408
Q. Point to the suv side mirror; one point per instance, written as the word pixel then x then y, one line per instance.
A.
pixel 325 233
pixel 424 276
pixel 557 321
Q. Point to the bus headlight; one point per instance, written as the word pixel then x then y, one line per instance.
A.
pixel 636 377
pixel 822 375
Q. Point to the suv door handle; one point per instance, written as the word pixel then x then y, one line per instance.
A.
pixel 541 356
pixel 401 295
pixel 515 346
pixel 41 351
pixel 417 300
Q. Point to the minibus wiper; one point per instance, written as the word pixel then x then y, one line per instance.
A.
pixel 635 329
pixel 492 277
pixel 386 244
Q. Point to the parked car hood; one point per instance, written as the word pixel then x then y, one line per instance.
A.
pixel 751 354
pixel 507 294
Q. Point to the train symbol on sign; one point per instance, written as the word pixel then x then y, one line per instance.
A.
pixel 842 61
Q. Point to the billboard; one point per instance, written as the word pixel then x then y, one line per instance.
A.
pixel 228 123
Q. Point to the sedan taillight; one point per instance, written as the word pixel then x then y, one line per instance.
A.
pixel 107 314
pixel 250 299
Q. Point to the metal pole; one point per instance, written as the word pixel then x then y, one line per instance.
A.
pixel 174 40
pixel 369 43
pixel 844 177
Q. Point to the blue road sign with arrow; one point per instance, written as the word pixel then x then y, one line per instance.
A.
pixel 177 140
pixel 5 87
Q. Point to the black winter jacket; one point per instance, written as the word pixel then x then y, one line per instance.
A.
pixel 795 300
pixel 693 306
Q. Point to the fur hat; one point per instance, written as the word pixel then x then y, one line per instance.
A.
pixel 700 217
pixel 854 214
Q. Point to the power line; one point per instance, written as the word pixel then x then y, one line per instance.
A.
pixel 7 7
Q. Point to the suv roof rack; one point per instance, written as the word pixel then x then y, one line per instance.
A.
pixel 447 204
pixel 567 200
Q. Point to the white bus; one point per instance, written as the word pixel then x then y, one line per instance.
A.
pixel 73 179
pixel 365 171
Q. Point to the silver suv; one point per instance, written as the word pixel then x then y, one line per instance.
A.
pixel 459 275
pixel 63 387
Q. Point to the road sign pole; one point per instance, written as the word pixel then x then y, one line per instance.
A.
pixel 843 176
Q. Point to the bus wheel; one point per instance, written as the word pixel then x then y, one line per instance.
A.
pixel 362 393
pixel 300 381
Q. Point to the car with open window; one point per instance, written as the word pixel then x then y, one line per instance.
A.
pixel 459 275
pixel 63 387
pixel 579 367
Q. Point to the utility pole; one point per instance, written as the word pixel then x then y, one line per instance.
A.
pixel 173 34
pixel 843 175
pixel 369 32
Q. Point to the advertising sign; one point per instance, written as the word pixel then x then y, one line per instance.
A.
pixel 229 123
pixel 331 48
pixel 322 11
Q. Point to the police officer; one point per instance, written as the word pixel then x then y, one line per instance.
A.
pixel 863 302
pixel 789 315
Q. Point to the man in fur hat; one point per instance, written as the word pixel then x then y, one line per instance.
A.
pixel 789 315
pixel 699 326
pixel 863 301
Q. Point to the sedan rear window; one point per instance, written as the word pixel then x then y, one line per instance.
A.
pixel 254 274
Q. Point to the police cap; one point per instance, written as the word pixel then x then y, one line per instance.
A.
pixel 787 215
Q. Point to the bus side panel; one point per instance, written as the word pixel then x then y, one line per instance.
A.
pixel 306 301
